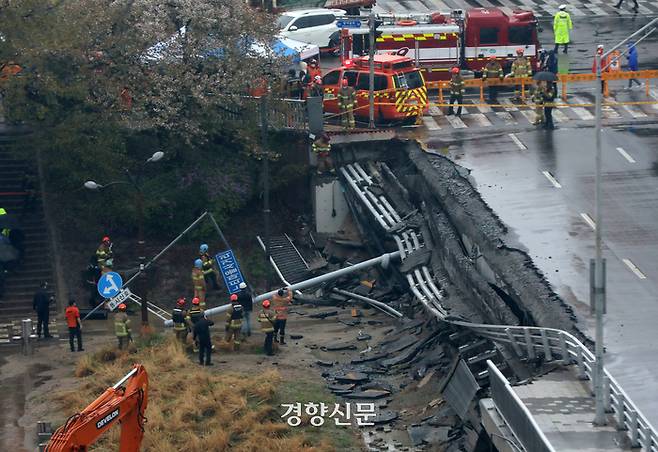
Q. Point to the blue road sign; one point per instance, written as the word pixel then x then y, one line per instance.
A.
pixel 230 269
pixel 354 23
pixel 109 284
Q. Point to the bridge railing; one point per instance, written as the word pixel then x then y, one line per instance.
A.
pixel 553 344
pixel 282 114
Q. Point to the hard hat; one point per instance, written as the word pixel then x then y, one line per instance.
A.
pixel 198 263
pixel 203 248
pixel 519 51
pixel 600 46
pixel 455 70
pixel 266 304
pixel 181 301
pixel 243 285
pixel 314 61
pixel 492 57
pixel 122 307
pixel 317 79
pixel 233 297
pixel 106 239
pixel 195 301
pixel 562 7
pixel 344 83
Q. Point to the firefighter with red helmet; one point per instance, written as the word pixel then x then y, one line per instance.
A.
pixel 266 318
pixel 104 254
pixel 122 326
pixel 193 316
pixel 521 68
pixel 346 103
pixel 456 91
pixel 234 317
pixel 178 316
pixel 492 71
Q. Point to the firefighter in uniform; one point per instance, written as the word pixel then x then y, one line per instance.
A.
pixel 281 300
pixel 199 283
pixel 178 316
pixel 322 149
pixel 538 100
pixel 456 91
pixel 104 253
pixel 521 68
pixel 122 326
pixel 234 322
pixel 193 316
pixel 208 267
pixel 346 102
pixel 266 320
pixel 491 71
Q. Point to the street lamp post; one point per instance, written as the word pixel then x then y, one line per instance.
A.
pixel 599 281
pixel 135 180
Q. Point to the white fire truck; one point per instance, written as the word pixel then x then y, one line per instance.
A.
pixel 438 41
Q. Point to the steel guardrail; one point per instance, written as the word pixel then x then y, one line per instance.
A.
pixel 527 342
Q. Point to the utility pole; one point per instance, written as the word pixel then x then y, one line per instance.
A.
pixel 141 257
pixel 371 80
pixel 599 281
pixel 266 187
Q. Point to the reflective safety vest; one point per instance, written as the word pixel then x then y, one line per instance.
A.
pixel 538 96
pixel 234 316
pixel 207 263
pixel 321 148
pixel 121 325
pixel 103 253
pixel 457 86
pixel 266 320
pixel 281 306
pixel 5 231
pixel 197 279
pixel 521 67
pixel 346 97
pixel 195 315
pixel 178 317
pixel 493 69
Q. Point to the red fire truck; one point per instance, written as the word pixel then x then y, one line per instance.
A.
pixel 399 89
pixel 436 41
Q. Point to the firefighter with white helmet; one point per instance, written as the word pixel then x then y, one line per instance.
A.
pixel 561 26
pixel 199 283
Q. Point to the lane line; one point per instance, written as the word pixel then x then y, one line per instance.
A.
pixel 507 117
pixel 559 116
pixel 588 220
pixel 634 111
pixel 430 123
pixel 482 108
pixel 552 179
pixel 482 120
pixel 626 155
pixel 456 122
pixel 634 268
pixel 518 142
pixel 435 111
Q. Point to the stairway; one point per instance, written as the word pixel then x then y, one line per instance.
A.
pixel 37 265
pixel 287 259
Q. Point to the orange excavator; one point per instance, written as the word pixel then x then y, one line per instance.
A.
pixel 117 404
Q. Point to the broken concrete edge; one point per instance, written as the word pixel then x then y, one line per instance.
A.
pixel 466 209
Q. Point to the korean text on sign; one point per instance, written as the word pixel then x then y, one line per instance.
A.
pixel 230 270
pixel 364 413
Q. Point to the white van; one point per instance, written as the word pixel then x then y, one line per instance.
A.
pixel 314 26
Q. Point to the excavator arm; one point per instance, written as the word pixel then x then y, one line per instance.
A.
pixel 117 404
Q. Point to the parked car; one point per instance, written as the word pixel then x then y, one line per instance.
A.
pixel 314 26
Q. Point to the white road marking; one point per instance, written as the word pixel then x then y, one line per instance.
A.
pixel 509 107
pixel 456 122
pixel 654 94
pixel 435 111
pixel 482 120
pixel 553 180
pixel 634 111
pixel 430 123
pixel 482 108
pixel 626 155
pixel 588 220
pixel 518 142
pixel 582 112
pixel 609 113
pixel 559 116
pixel 507 117
pixel 634 268
pixel 530 115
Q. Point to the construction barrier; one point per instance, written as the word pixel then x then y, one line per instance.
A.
pixel 563 79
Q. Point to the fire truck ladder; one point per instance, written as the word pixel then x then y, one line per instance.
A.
pixel 286 259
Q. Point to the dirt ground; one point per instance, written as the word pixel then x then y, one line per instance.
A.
pixel 30 382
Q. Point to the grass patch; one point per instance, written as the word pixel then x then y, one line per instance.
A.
pixel 195 409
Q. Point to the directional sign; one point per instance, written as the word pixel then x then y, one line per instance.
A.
pixel 354 23
pixel 230 269
pixel 124 295
pixel 109 284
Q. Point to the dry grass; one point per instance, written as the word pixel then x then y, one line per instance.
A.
pixel 197 410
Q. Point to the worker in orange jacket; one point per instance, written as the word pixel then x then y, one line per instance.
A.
pixel 280 301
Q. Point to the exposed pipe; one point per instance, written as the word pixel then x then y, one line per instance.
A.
pixel 384 260
pixel 378 304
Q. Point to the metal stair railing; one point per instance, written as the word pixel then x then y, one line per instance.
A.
pixel 527 342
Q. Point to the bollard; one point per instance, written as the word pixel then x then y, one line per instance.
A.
pixel 26 332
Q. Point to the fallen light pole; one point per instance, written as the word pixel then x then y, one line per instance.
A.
pixel 377 304
pixel 384 260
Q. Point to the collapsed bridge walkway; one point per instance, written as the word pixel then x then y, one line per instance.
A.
pixel 364 181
